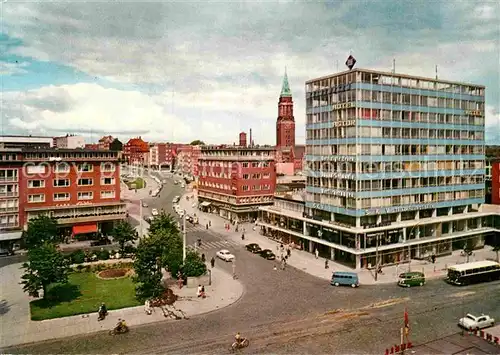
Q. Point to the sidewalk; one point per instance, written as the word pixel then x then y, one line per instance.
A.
pixel 307 262
pixel 17 328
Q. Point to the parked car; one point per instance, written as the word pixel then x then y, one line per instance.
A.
pixel 144 204
pixel 225 255
pixel 344 278
pixel 254 248
pixel 154 212
pixel 408 279
pixel 267 254
pixel 476 322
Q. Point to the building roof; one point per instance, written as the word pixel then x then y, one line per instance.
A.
pixel 65 150
pixel 236 147
pixel 285 87
pixel 406 76
pixel 138 143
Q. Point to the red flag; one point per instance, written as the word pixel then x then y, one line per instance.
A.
pixel 407 319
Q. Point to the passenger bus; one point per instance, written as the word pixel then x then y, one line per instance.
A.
pixel 474 272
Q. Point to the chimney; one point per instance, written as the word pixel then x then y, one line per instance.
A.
pixel 251 141
pixel 243 139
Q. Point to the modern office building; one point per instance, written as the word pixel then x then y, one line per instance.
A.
pixel 234 181
pixel 395 168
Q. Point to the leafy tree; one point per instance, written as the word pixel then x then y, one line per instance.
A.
pixel 468 248
pixel 162 248
pixel 193 265
pixel 40 230
pixel 116 145
pixel 197 142
pixel 123 233
pixel 46 265
pixel 147 267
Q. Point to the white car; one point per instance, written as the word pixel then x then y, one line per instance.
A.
pixel 476 322
pixel 154 212
pixel 225 255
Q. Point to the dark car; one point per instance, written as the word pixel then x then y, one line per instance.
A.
pixel 267 254
pixel 254 248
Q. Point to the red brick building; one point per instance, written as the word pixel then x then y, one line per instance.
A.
pixel 495 182
pixel 136 151
pixel 285 124
pixel 162 155
pixel 234 181
pixel 91 146
pixel 80 188
pixel 104 142
pixel 186 160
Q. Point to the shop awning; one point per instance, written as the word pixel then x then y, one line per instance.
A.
pixel 84 229
pixel 205 204
pixel 10 236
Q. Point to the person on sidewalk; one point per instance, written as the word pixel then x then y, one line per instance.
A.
pixel 203 258
pixel 147 308
pixel 212 262
pixel 316 252
pixel 198 293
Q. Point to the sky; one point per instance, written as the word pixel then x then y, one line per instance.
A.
pixel 176 71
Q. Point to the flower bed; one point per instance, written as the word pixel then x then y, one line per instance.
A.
pixel 114 273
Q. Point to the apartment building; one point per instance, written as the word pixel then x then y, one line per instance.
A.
pixel 235 180
pixel 69 141
pixel 186 160
pixel 80 188
pixel 395 168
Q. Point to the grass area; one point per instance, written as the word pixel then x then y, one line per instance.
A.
pixel 139 183
pixel 83 294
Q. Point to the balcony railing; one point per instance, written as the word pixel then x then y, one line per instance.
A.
pixel 9 225
pixel 9 194
pixel 9 209
pixel 8 179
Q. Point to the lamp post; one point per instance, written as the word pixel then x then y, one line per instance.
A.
pixel 184 236
pixel 140 218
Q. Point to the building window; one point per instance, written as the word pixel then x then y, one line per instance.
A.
pixel 88 195
pixel 33 184
pixel 61 182
pixel 245 188
pixel 108 194
pixel 266 175
pixel 62 196
pixel 85 168
pixel 245 165
pixel 85 182
pixel 37 198
pixel 62 168
pixel 245 176
pixel 109 167
pixel 255 187
pixel 108 181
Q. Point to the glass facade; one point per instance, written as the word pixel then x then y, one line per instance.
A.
pixel 383 148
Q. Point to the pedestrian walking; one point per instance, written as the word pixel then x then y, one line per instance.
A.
pixel 210 223
pixel 316 253
pixel 283 263
pixel 212 262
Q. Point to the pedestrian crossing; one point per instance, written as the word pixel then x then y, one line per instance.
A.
pixel 222 244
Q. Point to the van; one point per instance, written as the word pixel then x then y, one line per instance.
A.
pixel 409 279
pixel 345 279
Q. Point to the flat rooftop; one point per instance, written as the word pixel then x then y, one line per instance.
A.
pixel 236 147
pixel 390 74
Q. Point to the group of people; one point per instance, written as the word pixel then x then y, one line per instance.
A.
pixel 201 291
pixel 103 312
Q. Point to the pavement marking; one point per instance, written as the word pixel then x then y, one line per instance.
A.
pixel 462 294
pixel 387 303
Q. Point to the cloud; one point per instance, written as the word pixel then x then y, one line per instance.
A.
pixel 7 68
pixel 223 61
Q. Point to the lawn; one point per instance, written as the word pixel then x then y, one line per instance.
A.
pixel 83 294
pixel 139 183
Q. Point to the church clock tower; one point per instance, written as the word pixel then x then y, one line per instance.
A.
pixel 285 124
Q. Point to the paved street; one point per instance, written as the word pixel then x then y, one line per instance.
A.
pixel 291 311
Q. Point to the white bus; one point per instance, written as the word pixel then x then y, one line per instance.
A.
pixel 474 272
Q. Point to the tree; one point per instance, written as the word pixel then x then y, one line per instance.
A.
pixel 197 142
pixel 40 230
pixel 123 233
pixel 193 265
pixel 468 248
pixel 162 248
pixel 116 145
pixel 46 265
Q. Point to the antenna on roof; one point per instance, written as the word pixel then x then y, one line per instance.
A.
pixel 436 72
pixel 394 66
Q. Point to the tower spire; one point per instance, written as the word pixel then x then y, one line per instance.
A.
pixel 285 87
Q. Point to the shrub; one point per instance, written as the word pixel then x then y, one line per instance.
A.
pixel 129 249
pixel 103 255
pixel 193 265
pixel 79 268
pixel 77 257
